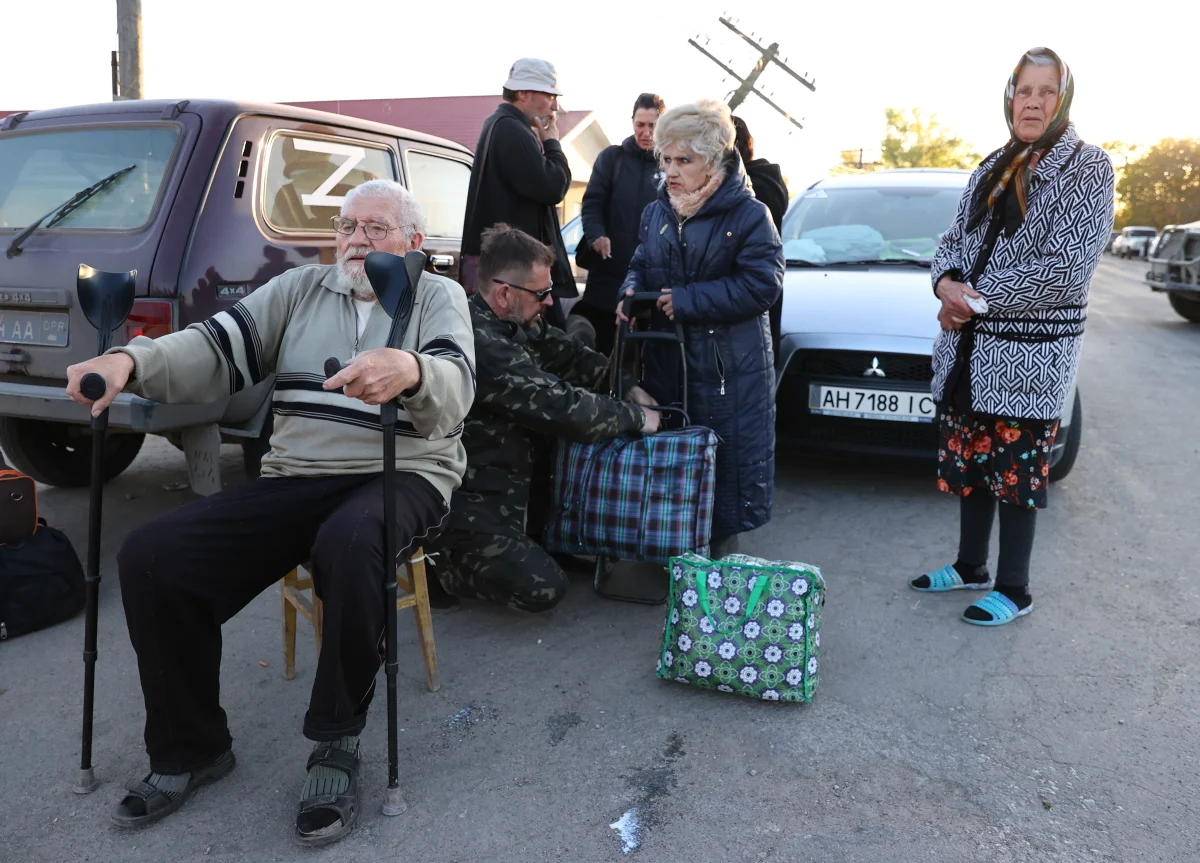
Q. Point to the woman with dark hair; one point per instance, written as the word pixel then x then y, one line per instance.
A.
pixel 711 250
pixel 767 183
pixel 622 184
pixel 1012 273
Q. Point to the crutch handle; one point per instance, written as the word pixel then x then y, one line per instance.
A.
pixel 93 386
pixel 332 366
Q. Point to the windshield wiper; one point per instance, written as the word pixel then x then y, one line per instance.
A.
pixel 63 210
pixel 924 263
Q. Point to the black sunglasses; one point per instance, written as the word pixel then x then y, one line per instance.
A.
pixel 541 295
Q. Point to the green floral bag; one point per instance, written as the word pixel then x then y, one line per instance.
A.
pixel 744 625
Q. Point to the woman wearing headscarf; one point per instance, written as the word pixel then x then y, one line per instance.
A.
pixel 712 251
pixel 1012 273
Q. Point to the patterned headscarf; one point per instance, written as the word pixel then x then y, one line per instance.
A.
pixel 1017 158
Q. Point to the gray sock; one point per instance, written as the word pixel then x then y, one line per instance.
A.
pixel 329 780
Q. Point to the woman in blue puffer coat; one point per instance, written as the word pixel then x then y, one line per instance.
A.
pixel 713 252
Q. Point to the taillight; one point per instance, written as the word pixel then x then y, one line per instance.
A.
pixel 151 318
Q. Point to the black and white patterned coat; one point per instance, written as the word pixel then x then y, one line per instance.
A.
pixel 1036 284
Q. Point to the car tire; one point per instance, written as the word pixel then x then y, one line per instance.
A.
pixel 1070 452
pixel 60 454
pixel 1186 306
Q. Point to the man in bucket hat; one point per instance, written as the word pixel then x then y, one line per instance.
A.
pixel 521 175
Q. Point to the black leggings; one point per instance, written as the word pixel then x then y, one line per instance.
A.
pixel 977 513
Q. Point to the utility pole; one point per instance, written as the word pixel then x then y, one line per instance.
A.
pixel 129 46
pixel 767 56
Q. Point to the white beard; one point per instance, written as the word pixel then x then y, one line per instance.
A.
pixel 354 279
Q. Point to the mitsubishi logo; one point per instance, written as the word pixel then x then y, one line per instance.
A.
pixel 875 369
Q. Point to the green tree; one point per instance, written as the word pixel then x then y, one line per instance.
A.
pixel 855 162
pixel 914 141
pixel 1160 187
pixel 911 140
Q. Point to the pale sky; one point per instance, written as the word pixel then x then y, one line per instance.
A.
pixel 1135 67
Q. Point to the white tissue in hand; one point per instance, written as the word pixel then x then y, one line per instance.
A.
pixel 979 304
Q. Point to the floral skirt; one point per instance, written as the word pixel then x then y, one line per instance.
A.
pixel 1009 458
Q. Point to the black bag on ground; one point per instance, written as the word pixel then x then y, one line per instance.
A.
pixel 41 582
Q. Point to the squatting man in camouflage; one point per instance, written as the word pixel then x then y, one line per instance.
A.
pixel 319 499
pixel 536 385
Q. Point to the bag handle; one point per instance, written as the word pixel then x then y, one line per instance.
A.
pixel 626 334
pixel 760 586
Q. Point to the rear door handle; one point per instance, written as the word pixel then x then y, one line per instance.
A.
pixel 441 263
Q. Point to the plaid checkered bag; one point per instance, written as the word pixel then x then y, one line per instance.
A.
pixel 635 497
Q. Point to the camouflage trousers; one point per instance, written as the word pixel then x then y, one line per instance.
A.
pixel 515 572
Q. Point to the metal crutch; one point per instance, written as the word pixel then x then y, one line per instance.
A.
pixel 106 300
pixel 394 280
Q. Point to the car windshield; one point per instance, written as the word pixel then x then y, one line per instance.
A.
pixel 40 171
pixel 830 226
pixel 1143 232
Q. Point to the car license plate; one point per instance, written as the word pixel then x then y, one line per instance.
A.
pixel 902 405
pixel 34 328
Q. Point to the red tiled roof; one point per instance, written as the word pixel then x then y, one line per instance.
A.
pixel 458 118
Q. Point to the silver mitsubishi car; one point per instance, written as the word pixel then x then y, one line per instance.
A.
pixel 860 317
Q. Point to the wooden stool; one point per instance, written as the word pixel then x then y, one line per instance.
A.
pixel 410 583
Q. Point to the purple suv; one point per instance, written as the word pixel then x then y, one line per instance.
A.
pixel 221 197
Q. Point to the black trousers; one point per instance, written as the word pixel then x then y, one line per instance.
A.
pixel 186 573
pixel 977 513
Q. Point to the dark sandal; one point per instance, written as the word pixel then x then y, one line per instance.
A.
pixel 156 803
pixel 345 806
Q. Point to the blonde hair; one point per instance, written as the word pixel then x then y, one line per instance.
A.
pixel 705 126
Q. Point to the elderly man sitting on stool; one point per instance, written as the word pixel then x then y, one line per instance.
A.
pixel 319 498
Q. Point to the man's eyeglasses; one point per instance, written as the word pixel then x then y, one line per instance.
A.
pixel 373 230
pixel 541 295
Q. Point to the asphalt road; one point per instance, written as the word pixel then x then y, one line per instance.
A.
pixel 1069 735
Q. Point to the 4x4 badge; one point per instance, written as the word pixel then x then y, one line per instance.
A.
pixel 875 369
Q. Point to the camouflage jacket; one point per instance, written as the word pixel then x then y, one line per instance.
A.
pixel 535 385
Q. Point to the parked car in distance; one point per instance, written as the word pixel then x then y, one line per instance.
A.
pixel 577 325
pixel 1175 269
pixel 860 317
pixel 1152 246
pixel 222 197
pixel 572 234
pixel 1111 239
pixel 1134 241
